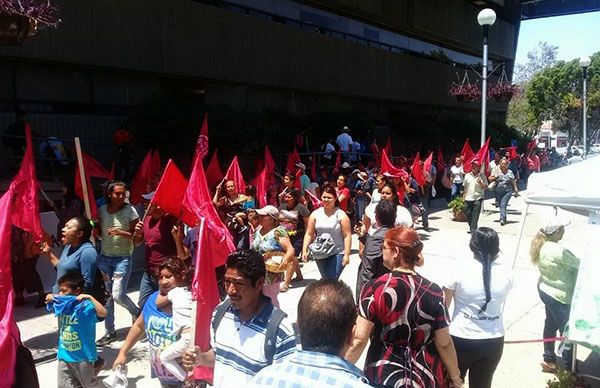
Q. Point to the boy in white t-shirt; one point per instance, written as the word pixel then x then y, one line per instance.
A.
pixel 175 271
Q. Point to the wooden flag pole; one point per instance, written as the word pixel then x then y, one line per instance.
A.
pixel 86 198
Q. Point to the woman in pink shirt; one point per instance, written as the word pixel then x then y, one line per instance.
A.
pixel 343 193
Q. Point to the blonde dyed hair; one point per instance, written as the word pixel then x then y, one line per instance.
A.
pixel 539 240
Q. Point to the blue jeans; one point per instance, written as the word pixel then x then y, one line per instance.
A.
pixel 116 271
pixel 148 285
pixel 455 190
pixel 502 198
pixel 557 317
pixel 331 267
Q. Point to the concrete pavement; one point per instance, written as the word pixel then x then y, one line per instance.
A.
pixel 444 245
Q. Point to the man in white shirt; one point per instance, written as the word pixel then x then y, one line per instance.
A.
pixel 474 184
pixel 344 140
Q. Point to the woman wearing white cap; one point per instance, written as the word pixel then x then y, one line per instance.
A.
pixel 558 273
pixel 270 237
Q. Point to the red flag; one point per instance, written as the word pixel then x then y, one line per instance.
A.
pixel 150 166
pixel 388 146
pixel 512 152
pixel 316 202
pixel 388 169
pixel 260 182
pixel 427 163
pixel 214 173
pixel 269 162
pixel 170 192
pixel 482 157
pixel 25 208
pixel 338 162
pixel 206 295
pixel 235 174
pixel 202 143
pixel 313 167
pixel 531 145
pixel 9 332
pixel 93 169
pixel 441 164
pixel 293 158
pixel 466 152
pixel 417 171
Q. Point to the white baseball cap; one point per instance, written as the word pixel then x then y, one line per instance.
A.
pixel 554 224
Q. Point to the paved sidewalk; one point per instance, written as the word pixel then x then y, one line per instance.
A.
pixel 444 245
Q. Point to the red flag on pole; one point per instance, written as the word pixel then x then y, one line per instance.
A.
pixel 293 158
pixel 269 162
pixel 316 202
pixel 206 294
pixel 338 162
pixel 260 182
pixel 482 157
pixel 214 173
pixel 25 208
pixel 170 192
pixel 149 166
pixel 466 152
pixel 202 143
pixel 388 146
pixel 427 163
pixel 235 174
pixel 388 169
pixel 417 171
pixel 441 164
pixel 93 169
pixel 313 168
pixel 512 152
pixel 9 332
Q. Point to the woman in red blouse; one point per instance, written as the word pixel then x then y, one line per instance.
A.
pixel 343 193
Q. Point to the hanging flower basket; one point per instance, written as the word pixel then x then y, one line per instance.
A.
pixel 502 91
pixel 21 19
pixel 464 91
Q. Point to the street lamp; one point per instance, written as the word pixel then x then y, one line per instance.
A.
pixel 485 18
pixel 585 62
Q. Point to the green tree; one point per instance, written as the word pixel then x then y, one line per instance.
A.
pixel 538 59
pixel 555 93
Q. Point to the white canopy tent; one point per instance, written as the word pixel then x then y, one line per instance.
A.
pixel 575 188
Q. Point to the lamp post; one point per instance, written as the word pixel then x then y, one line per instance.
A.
pixel 584 62
pixel 485 18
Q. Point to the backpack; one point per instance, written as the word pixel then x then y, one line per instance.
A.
pixel 270 336
pixel 98 290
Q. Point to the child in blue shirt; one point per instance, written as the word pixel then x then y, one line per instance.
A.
pixel 77 316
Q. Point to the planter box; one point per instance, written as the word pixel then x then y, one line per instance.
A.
pixel 459 217
pixel 503 97
pixel 465 98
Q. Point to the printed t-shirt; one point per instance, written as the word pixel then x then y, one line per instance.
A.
pixel 158 326
pixel 77 333
pixel 114 246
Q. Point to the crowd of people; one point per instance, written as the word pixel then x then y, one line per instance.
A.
pixel 406 317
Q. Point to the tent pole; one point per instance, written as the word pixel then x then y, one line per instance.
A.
pixel 520 236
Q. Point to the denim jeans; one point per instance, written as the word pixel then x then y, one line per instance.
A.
pixel 116 271
pixel 425 201
pixel 557 317
pixel 361 204
pixel 502 198
pixel 331 267
pixel 455 190
pixel 148 285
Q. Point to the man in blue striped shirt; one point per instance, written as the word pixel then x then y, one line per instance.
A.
pixel 239 326
pixel 326 321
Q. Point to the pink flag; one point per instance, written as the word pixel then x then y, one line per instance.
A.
pixel 316 202
pixel 9 333
pixel 214 173
pixel 269 162
pixel 466 152
pixel 441 164
pixel 149 166
pixel 202 143
pixel 206 295
pixel 170 192
pixel 235 174
pixel 388 169
pixel 26 213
